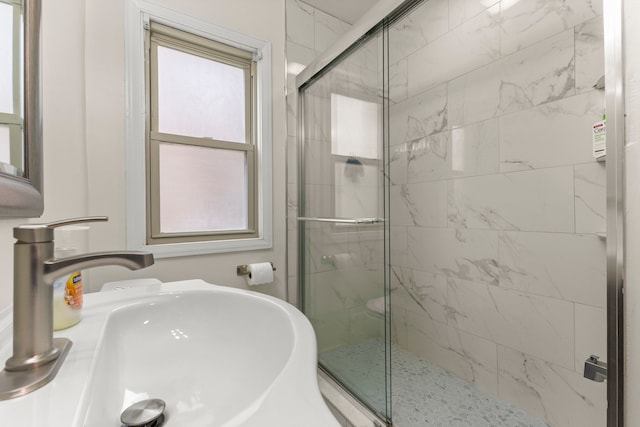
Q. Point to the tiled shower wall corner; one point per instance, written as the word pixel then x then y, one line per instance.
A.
pixel 309 31
pixel 498 214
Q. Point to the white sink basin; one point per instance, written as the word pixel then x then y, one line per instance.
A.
pixel 217 356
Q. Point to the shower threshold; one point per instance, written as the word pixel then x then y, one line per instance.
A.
pixel 423 394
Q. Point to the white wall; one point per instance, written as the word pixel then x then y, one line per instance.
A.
pixel 632 188
pixel 65 176
pixel 84 121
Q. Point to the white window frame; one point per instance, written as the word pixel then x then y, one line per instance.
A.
pixel 138 15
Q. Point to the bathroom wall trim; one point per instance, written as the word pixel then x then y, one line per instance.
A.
pixel 614 104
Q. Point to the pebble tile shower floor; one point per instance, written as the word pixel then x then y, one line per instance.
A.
pixel 423 395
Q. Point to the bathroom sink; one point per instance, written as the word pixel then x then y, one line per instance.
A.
pixel 216 356
pixel 211 356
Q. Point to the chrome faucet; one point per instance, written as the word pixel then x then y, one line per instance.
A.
pixel 37 356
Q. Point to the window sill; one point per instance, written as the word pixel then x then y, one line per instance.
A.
pixel 171 250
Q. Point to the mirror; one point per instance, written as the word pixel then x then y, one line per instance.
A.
pixel 20 110
pixel 11 149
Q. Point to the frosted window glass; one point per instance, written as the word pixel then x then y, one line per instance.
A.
pixel 355 127
pixel 202 189
pixel 5 144
pixel 199 97
pixel 6 58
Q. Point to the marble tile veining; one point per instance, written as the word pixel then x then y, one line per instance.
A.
pixel 417 29
pixel 398 246
pixel 591 334
pixel 427 203
pixel 553 134
pixel 455 255
pixel 536 200
pixel 589 54
pixel 424 395
pixel 474 149
pixel 402 213
pixel 398 81
pixel 591 198
pixel 467 47
pixel 570 267
pixel 535 325
pixel 467 356
pixel 464 151
pixel 538 74
pixel 398 164
pixel 460 11
pixel 419 116
pixel 419 292
pixel 562 396
pixel 428 157
pixel 331 295
pixel 525 22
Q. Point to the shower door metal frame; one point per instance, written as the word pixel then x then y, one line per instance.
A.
pixel 614 107
pixel 377 19
pixel 378 417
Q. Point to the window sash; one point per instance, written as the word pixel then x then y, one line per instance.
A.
pixel 161 35
pixel 248 67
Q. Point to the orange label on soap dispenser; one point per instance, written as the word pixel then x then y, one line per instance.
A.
pixel 73 290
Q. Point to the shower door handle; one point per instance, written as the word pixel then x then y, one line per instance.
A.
pixel 342 220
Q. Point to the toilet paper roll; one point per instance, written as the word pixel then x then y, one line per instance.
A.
pixel 260 273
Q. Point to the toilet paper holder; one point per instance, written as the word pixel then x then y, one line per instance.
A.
pixel 243 270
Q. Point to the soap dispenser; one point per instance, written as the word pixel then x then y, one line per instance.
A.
pixel 67 295
pixel 67 290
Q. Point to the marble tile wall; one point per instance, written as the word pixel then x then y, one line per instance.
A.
pixel 497 222
pixel 498 208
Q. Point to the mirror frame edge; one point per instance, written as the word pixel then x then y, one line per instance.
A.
pixel 23 197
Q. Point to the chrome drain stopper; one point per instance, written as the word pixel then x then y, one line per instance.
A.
pixel 146 413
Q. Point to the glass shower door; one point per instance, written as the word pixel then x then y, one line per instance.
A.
pixel 473 123
pixel 341 221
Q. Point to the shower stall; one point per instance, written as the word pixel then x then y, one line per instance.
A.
pixel 452 213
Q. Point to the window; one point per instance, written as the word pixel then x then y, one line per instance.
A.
pixel 200 151
pixel 198 136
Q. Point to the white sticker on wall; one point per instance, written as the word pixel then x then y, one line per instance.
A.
pixel 599 133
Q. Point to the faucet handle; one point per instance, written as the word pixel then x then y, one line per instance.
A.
pixel 39 233
pixel 80 220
